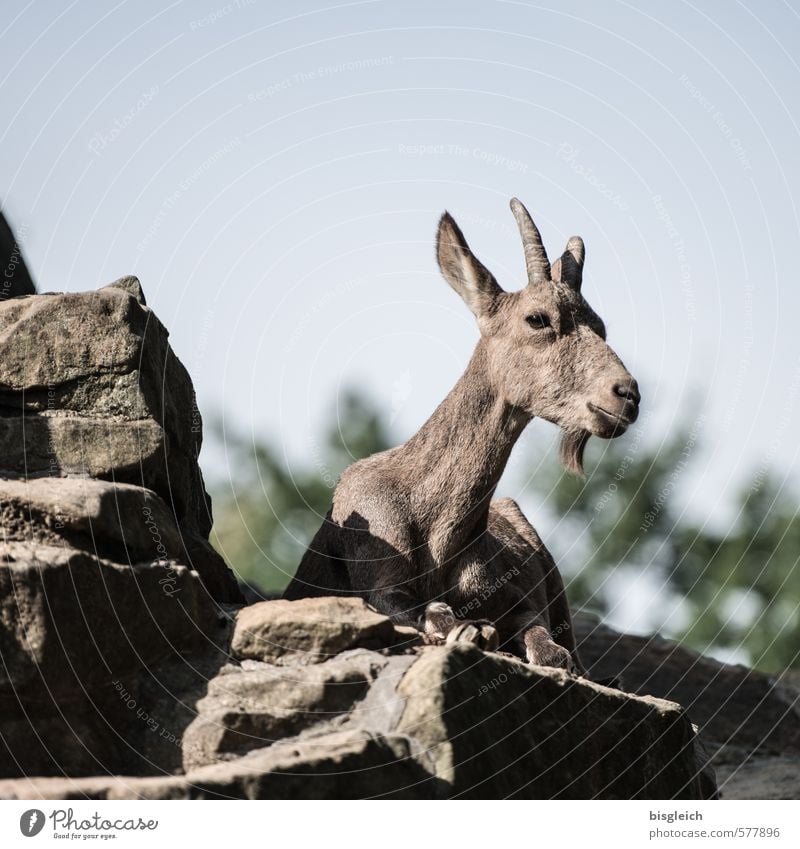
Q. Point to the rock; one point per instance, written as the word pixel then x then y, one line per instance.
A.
pixel 117 521
pixel 52 341
pixel 749 721
pixel 308 631
pixel 317 698
pixel 440 722
pixel 732 705
pixel 81 739
pixel 68 616
pixel 89 386
pixel 86 514
pixel 106 573
pixel 130 285
pixel 256 705
pixel 341 765
pixel 492 727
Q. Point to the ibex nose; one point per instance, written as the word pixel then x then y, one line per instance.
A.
pixel 629 391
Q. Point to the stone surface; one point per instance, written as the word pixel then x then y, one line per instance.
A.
pixel 433 722
pixel 67 614
pixel 106 573
pixel 748 721
pixel 89 386
pixel 341 765
pixel 731 704
pixel 125 523
pixel 257 704
pixel 493 726
pixel 308 631
pixel 129 522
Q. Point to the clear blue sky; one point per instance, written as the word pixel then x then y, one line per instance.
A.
pixel 274 174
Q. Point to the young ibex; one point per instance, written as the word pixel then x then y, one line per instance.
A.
pixel 413 530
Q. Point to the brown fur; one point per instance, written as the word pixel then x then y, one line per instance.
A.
pixel 414 531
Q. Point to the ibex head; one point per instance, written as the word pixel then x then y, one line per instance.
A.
pixel 545 347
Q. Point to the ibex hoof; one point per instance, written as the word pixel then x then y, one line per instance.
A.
pixel 480 632
pixel 542 651
pixel 439 621
pixel 551 654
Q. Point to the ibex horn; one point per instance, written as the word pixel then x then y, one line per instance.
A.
pixel 535 256
pixel 569 267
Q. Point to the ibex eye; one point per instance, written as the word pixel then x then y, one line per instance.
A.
pixel 538 321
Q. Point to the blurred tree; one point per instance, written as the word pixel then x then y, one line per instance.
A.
pixel 744 586
pixel 266 514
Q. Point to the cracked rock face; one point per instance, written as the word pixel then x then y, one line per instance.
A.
pixel 90 387
pixel 105 566
pixel 748 721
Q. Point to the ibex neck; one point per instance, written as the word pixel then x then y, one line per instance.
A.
pixel 457 458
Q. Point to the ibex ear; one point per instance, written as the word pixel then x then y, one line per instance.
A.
pixel 463 270
pixel 569 267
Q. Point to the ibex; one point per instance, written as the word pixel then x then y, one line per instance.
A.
pixel 413 529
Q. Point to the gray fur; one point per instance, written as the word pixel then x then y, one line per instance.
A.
pixel 414 530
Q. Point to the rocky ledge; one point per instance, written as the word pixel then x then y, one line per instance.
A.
pixel 325 698
pixel 131 668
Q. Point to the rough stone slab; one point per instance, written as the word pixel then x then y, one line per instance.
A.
pixel 731 704
pixel 257 704
pixel 309 630
pixel 78 445
pixel 68 618
pixel 90 385
pixel 341 765
pixel 116 521
pixel 90 514
pixel 55 339
pixel 495 727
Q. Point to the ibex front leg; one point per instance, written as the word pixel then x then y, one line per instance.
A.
pixel 441 626
pixel 384 583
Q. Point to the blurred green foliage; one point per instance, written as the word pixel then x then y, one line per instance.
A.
pixel 736 590
pixel 744 586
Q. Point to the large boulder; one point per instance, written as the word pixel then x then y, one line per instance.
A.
pixel 493 726
pixel 105 566
pixel 89 386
